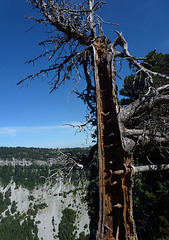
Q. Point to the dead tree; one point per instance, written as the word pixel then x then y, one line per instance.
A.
pixel 77 39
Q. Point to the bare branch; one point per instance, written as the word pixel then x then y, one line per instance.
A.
pixel 120 40
pixel 115 24
pixel 140 169
pixel 61 18
pixel 91 16
pixel 163 89
pixel 81 127
pixel 146 104
pixel 67 165
pixel 146 136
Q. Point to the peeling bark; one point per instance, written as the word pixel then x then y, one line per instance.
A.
pixel 116 213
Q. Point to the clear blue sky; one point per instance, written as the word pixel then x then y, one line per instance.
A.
pixel 32 117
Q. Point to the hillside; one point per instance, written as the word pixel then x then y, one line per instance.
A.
pixel 34 154
pixel 37 200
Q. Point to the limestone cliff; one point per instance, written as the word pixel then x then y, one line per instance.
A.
pixel 44 206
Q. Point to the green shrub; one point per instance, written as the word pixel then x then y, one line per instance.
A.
pixel 66 226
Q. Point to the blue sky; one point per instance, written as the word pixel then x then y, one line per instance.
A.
pixel 32 117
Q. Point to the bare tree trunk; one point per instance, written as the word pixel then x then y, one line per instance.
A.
pixel 116 214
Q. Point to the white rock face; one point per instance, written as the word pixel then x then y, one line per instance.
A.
pixel 20 196
pixel 57 198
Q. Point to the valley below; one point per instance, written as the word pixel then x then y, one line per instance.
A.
pixel 43 199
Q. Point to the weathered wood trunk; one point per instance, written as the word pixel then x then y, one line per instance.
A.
pixel 116 214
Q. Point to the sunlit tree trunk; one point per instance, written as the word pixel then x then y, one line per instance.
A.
pixel 116 214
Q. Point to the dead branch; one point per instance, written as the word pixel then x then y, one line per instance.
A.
pixel 146 104
pixel 141 169
pixel 120 40
pixel 83 127
pixel 60 16
pixel 67 164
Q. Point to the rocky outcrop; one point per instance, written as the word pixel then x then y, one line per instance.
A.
pixel 45 204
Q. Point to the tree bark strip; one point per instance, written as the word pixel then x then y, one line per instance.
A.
pixel 116 216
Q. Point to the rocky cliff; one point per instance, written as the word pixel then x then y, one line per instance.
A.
pixel 42 208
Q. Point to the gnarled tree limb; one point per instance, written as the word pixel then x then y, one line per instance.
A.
pixel 145 104
pixel 120 40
